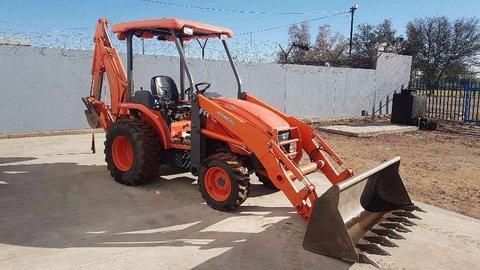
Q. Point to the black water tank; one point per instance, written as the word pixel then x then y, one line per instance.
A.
pixel 407 107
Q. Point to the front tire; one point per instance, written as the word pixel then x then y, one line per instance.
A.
pixel 132 152
pixel 224 181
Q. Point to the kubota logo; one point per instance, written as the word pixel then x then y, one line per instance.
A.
pixel 231 107
pixel 226 118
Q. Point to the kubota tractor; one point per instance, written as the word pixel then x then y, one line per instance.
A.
pixel 225 140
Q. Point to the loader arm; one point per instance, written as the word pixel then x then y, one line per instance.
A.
pixel 106 60
pixel 313 144
pixel 277 164
pixel 283 171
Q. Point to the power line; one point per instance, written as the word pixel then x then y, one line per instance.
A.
pixel 230 10
pixel 44 27
pixel 295 23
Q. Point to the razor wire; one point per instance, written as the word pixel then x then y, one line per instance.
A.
pixel 245 49
pixel 241 49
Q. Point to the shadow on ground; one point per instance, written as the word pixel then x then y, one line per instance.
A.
pixel 63 205
pixel 4 160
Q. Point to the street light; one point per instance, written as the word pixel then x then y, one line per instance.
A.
pixel 352 11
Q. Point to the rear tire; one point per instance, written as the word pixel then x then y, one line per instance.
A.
pixel 266 181
pixel 132 152
pixel 224 181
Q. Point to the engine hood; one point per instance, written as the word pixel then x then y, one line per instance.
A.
pixel 259 116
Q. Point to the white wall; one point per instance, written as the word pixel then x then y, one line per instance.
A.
pixel 41 88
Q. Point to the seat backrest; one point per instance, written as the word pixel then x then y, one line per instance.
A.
pixel 165 88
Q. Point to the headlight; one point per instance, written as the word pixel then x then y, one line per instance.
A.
pixel 283 136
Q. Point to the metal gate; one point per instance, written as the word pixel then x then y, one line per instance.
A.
pixel 450 100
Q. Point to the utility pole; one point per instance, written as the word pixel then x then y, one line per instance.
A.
pixel 143 46
pixel 352 11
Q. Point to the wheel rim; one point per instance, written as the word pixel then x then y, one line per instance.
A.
pixel 218 183
pixel 122 153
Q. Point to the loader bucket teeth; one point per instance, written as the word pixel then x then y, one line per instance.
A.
pixel 372 249
pixel 345 212
pixel 365 258
pixel 394 225
pixel 402 220
pixel 412 208
pixel 381 240
pixel 405 214
pixel 388 233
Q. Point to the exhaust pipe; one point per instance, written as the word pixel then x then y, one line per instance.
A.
pixel 375 201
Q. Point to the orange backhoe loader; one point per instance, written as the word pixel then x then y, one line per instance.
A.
pixel 224 140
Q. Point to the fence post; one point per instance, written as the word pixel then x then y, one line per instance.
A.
pixel 388 102
pixel 380 108
pixel 466 104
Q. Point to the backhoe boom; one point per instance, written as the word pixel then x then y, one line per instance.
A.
pixel 106 60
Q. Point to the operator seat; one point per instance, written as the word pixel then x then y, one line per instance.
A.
pixel 165 90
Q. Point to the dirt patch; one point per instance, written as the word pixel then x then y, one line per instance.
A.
pixel 438 167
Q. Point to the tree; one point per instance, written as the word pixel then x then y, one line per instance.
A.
pixel 327 48
pixel 364 45
pixel 367 40
pixel 330 48
pixel 385 32
pixel 299 39
pixel 442 48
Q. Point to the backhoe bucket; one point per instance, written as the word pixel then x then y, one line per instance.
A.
pixel 92 119
pixel 91 115
pixel 360 204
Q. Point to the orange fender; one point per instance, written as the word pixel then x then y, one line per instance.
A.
pixel 153 118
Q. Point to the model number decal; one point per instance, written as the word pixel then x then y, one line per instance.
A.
pixel 226 118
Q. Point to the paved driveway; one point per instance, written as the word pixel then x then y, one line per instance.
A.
pixel 60 209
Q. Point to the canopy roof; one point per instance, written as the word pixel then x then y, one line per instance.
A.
pixel 161 28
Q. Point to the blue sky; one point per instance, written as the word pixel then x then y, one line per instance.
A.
pixel 59 14
pixel 49 15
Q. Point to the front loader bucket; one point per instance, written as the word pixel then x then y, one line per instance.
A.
pixel 364 203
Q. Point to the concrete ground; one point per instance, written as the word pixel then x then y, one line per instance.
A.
pixel 367 129
pixel 60 209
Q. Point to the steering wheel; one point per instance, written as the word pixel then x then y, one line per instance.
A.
pixel 198 87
